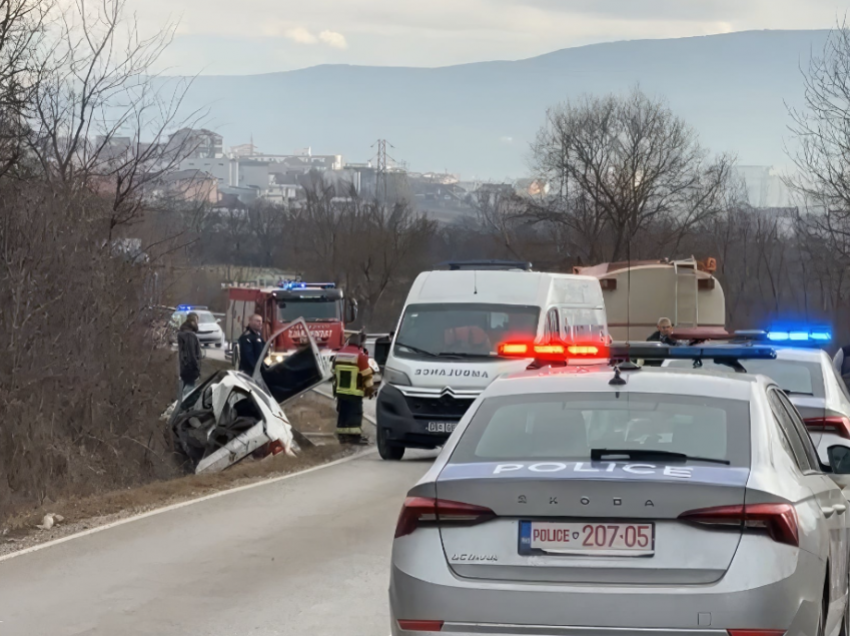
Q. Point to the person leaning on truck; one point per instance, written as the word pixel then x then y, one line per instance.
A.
pixel 251 345
pixel 352 382
pixel 664 333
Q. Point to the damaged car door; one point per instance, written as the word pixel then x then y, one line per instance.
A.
pixel 231 415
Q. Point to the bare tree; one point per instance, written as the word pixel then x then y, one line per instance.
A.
pixel 101 118
pixel 822 127
pixel 364 245
pixel 628 165
pixel 22 26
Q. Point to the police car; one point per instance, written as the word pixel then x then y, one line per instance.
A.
pixel 580 499
pixel 806 374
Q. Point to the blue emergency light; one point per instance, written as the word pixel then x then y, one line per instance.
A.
pixel 189 308
pixel 650 351
pixel 292 285
pixel 796 337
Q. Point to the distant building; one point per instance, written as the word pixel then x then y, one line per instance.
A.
pixel 233 196
pixel 243 150
pixel 222 168
pixel 490 193
pixel 531 187
pixel 187 185
pixel 197 144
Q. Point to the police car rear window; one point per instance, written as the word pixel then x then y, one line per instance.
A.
pixel 793 377
pixel 568 426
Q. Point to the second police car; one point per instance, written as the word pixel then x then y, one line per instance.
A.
pixel 806 373
pixel 578 500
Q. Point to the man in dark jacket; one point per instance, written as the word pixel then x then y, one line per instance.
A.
pixel 663 335
pixel 251 345
pixel 189 355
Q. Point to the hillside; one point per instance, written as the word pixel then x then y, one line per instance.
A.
pixel 477 119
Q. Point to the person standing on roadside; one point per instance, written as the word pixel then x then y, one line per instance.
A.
pixel 352 383
pixel 251 345
pixel 189 355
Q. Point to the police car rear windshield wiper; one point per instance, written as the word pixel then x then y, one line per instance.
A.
pixel 430 354
pixel 787 392
pixel 596 454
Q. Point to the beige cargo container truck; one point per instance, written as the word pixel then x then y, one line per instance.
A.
pixel 637 294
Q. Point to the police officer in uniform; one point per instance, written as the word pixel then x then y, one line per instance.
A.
pixel 352 382
pixel 251 345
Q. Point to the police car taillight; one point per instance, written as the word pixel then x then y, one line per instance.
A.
pixel 837 425
pixel 425 510
pixel 777 519
pixel 421 626
pixel 557 351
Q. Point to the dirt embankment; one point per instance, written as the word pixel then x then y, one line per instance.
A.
pixel 313 415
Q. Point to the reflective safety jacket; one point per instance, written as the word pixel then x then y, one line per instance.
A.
pixel 352 373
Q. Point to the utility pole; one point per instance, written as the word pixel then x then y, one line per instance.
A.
pixel 383 164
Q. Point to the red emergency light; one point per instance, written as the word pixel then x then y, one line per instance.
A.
pixel 555 351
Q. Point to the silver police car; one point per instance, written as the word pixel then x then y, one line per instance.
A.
pixel 584 501
pixel 807 376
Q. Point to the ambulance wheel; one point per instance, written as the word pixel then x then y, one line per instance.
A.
pixel 386 450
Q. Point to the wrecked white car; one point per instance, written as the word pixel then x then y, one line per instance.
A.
pixel 231 416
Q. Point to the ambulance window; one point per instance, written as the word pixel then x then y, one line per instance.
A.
pixel 582 322
pixel 552 323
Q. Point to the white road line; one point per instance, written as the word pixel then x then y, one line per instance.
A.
pixel 182 504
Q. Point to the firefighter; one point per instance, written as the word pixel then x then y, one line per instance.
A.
pixel 352 382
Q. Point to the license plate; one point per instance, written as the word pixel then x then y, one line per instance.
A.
pixel 440 427
pixel 587 538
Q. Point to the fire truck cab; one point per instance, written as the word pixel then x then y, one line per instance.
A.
pixel 322 306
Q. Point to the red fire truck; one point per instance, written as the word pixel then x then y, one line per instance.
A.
pixel 322 305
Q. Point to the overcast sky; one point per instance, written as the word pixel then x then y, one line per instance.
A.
pixel 262 36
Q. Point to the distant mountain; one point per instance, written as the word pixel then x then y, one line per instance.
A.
pixel 477 119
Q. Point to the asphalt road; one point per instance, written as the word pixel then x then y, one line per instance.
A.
pixel 307 555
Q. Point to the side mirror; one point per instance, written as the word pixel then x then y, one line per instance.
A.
pixel 350 311
pixel 382 351
pixel 839 459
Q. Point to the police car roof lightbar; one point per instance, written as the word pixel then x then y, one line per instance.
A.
pixel 294 285
pixel 649 351
pixel 797 337
pixel 190 307
pixel 554 351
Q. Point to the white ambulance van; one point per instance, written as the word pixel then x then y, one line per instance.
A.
pixel 444 350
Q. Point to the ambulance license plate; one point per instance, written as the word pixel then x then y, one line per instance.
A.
pixel 441 427
pixel 587 538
